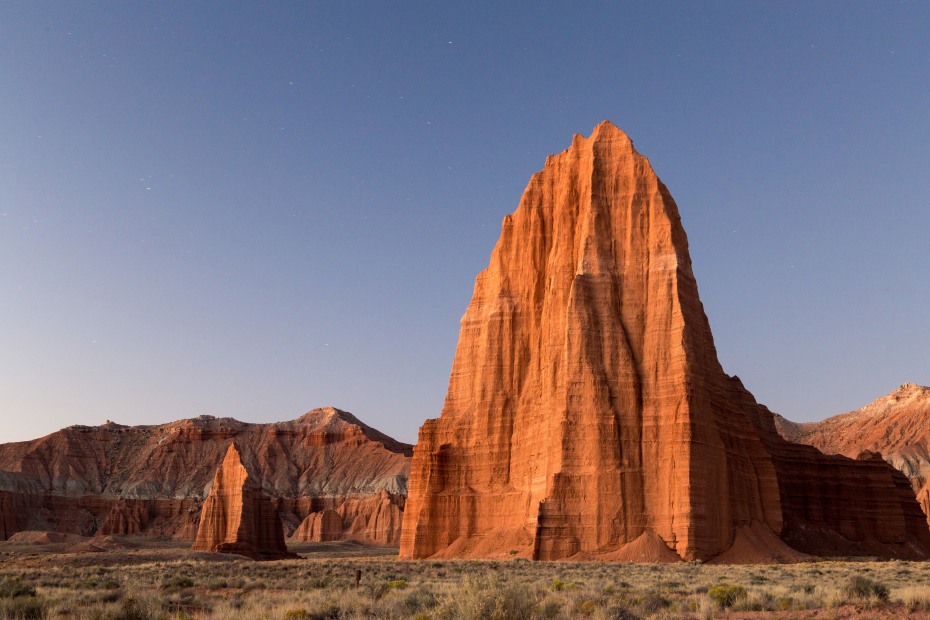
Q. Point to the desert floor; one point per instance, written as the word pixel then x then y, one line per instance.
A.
pixel 126 578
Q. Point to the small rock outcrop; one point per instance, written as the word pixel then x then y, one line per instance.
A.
pixel 373 519
pixel 238 518
pixel 588 416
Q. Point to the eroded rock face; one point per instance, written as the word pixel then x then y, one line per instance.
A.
pixel 373 519
pixel 237 517
pixel 897 426
pixel 152 480
pixel 586 406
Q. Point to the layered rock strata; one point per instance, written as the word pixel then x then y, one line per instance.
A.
pixel 237 517
pixel 587 409
pixel 897 426
pixel 374 519
pixel 152 480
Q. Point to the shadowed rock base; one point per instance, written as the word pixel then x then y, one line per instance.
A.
pixel 896 425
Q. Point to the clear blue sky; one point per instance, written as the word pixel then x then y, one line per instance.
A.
pixel 255 209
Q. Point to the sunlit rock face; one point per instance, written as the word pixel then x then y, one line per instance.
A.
pixel 587 410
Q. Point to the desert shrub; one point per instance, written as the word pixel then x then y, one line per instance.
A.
pixel 378 590
pixel 328 610
pixel 785 603
pixel 487 599
pixel 725 595
pixel 585 607
pixel 865 588
pixel 419 600
pixel 755 601
pixel 619 612
pixel 557 584
pixel 397 584
pixel 108 596
pixel 651 602
pixel 916 598
pixel 548 609
pixel 297 614
pixel 178 581
pixel 129 609
pixel 24 608
pixel 12 587
pixel 317 583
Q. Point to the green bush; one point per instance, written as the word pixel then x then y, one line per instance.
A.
pixel 725 595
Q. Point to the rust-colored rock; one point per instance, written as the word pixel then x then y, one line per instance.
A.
pixel 237 517
pixel 152 480
pixel 320 526
pixel 897 426
pixel 372 519
pixel 587 409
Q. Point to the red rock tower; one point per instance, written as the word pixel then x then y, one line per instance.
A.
pixel 237 517
pixel 587 413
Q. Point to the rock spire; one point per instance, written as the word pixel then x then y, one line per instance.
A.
pixel 237 517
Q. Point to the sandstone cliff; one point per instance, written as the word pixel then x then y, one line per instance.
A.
pixel 114 479
pixel 587 414
pixel 897 426
pixel 237 517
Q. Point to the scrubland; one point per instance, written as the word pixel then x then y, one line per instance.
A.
pixel 170 582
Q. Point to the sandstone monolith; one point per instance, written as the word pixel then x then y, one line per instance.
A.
pixel 587 409
pixel 238 518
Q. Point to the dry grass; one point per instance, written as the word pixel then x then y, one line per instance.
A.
pixel 167 581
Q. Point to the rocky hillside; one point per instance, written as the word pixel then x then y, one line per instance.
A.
pixel 152 479
pixel 896 425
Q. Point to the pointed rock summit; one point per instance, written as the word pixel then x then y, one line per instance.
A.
pixel 238 518
pixel 587 413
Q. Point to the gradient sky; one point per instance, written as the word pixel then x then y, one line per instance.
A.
pixel 256 209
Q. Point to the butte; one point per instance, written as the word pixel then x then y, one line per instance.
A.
pixel 588 416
